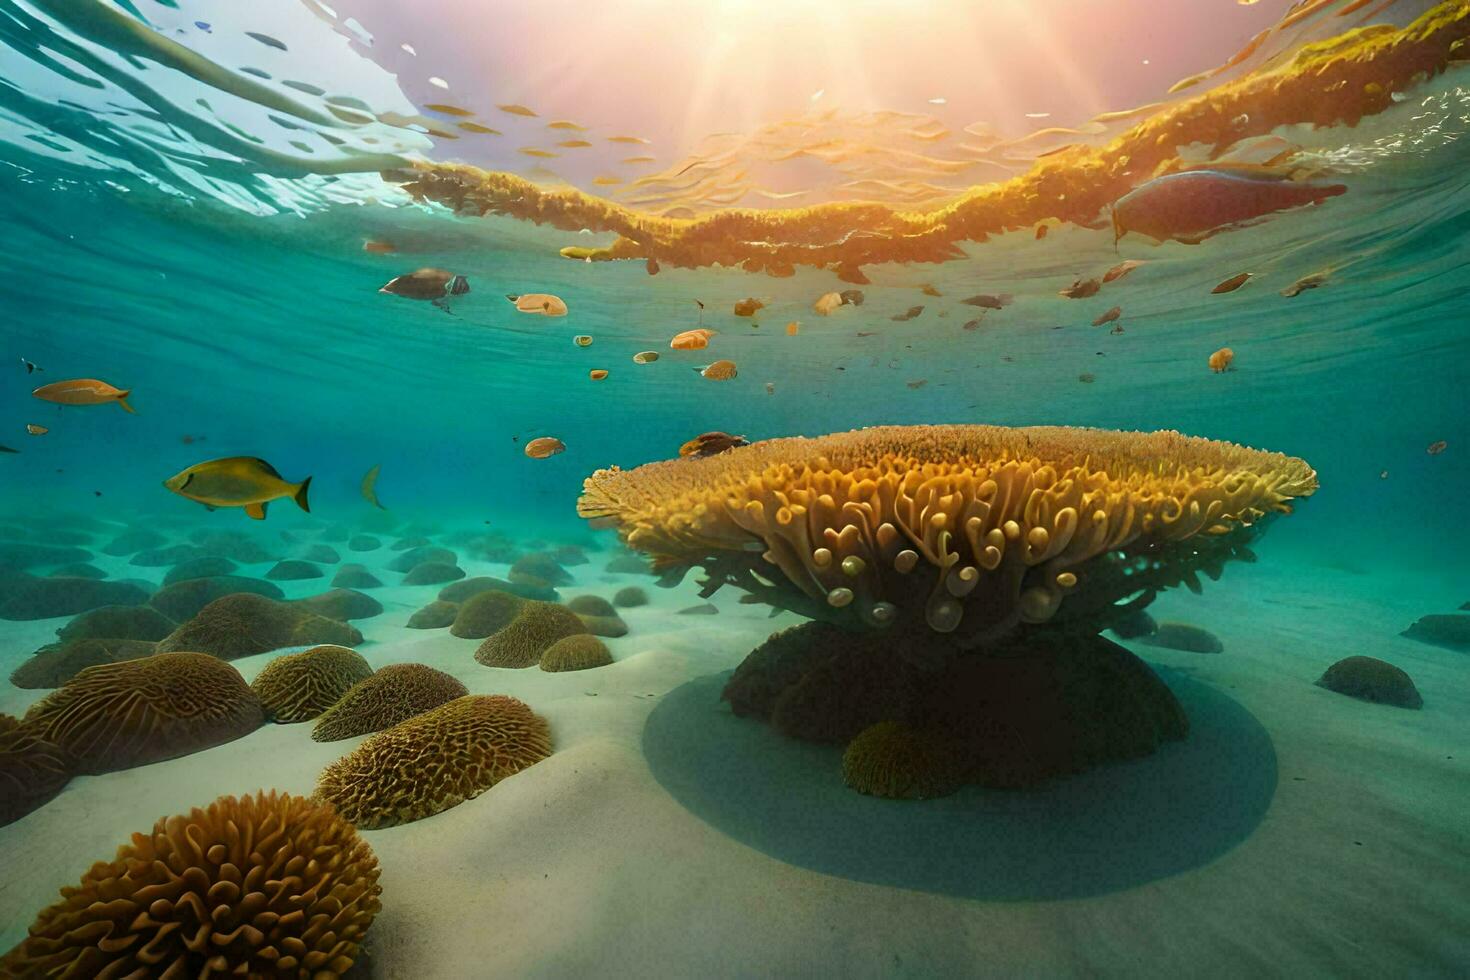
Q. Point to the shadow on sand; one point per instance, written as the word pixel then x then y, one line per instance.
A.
pixel 1113 828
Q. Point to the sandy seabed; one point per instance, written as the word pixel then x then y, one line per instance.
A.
pixel 1297 832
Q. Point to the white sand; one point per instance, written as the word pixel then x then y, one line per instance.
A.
pixel 586 864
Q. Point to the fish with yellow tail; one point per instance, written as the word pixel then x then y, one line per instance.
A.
pixel 84 391
pixel 237 481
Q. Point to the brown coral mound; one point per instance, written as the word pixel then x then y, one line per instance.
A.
pixel 533 630
pixel 116 716
pixel 436 615
pixel 1042 705
pixel 392 694
pixel 539 568
pixel 293 570
pixel 300 686
pixel 53 666
pixel 1182 636
pixel 118 623
pixel 355 577
pixel 244 624
pixel 598 615
pixel 183 600
pixel 435 761
pixel 342 605
pixel 973 529
pixel 581 652
pixel 32 770
pixel 433 573
pixel 1371 679
pixel 630 597
pixel 270 885
pixel 485 613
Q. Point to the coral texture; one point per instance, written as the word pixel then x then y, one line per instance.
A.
pixel 392 694
pixel 116 716
pixel 32 770
pixel 581 652
pixel 269 885
pixel 300 686
pixel 485 613
pixel 53 666
pixel 526 637
pixel 244 624
pixel 971 528
pixel 1371 679
pixel 436 760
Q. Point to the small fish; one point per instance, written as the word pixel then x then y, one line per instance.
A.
pixel 988 301
pixel 1232 284
pixel 83 391
pixel 826 303
pixel 1435 448
pixel 545 446
pixel 718 371
pixel 379 247
pixel 916 385
pixel 430 284
pixel 907 314
pixel 1109 316
pixel 1305 283
pixel 30 368
pixel 204 26
pixel 701 312
pixel 267 40
pixel 696 339
pixel 793 328
pixel 237 481
pixel 711 444
pixel 1081 289
pixel 1117 329
pixel 770 387
pixel 974 324
pixel 748 307
pixel 515 110
pixel 543 304
pixel 7 449
pixel 867 333
pixel 1087 377
pixel 1192 205
pixel 852 297
pixel 582 340
pixel 370 487
pixel 37 430
pixel 1383 475
pixel 651 265
pixel 928 290
pixel 645 357
pixel 1220 360
pixel 1121 269
pixel 597 374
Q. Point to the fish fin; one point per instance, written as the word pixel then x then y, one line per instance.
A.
pixel 512 296
pixel 267 467
pixel 123 401
pixel 255 511
pixel 300 495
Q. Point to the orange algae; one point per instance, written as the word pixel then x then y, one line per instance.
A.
pixel 1338 81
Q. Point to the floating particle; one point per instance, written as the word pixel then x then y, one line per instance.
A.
pixel 1435 448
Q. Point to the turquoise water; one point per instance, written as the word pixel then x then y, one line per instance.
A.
pixel 189 253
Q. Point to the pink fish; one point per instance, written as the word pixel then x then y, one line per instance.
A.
pixel 1195 204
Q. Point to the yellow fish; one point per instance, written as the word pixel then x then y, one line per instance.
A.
pixel 83 391
pixel 370 487
pixel 237 481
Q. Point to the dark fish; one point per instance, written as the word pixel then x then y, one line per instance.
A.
pixel 1082 288
pixel 1121 269
pixel 988 301
pixel 7 449
pixel 1232 284
pixel 30 368
pixel 457 286
pixel 852 297
pixel 974 324
pixel 1191 206
pixel 1087 377
pixel 908 314
pixel 267 40
pixel 203 25
pixel 1041 231
pixel 711 444
pixel 1435 448
pixel 1109 316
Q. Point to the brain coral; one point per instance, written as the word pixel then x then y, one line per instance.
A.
pixel 392 694
pixel 898 762
pixel 32 770
pixel 436 615
pixel 434 761
pixel 300 686
pixel 971 528
pixel 118 623
pixel 355 577
pixel 269 885
pixel 183 600
pixel 539 568
pixel 53 666
pixel 115 716
pixel 245 624
pixel 485 613
pixel 432 573
pixel 581 652
pixel 342 605
pixel 533 630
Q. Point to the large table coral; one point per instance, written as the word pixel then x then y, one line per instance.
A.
pixel 1020 542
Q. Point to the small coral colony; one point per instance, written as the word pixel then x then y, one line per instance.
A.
pixel 956 581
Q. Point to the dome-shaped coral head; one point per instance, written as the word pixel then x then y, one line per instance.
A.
pixel 970 529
